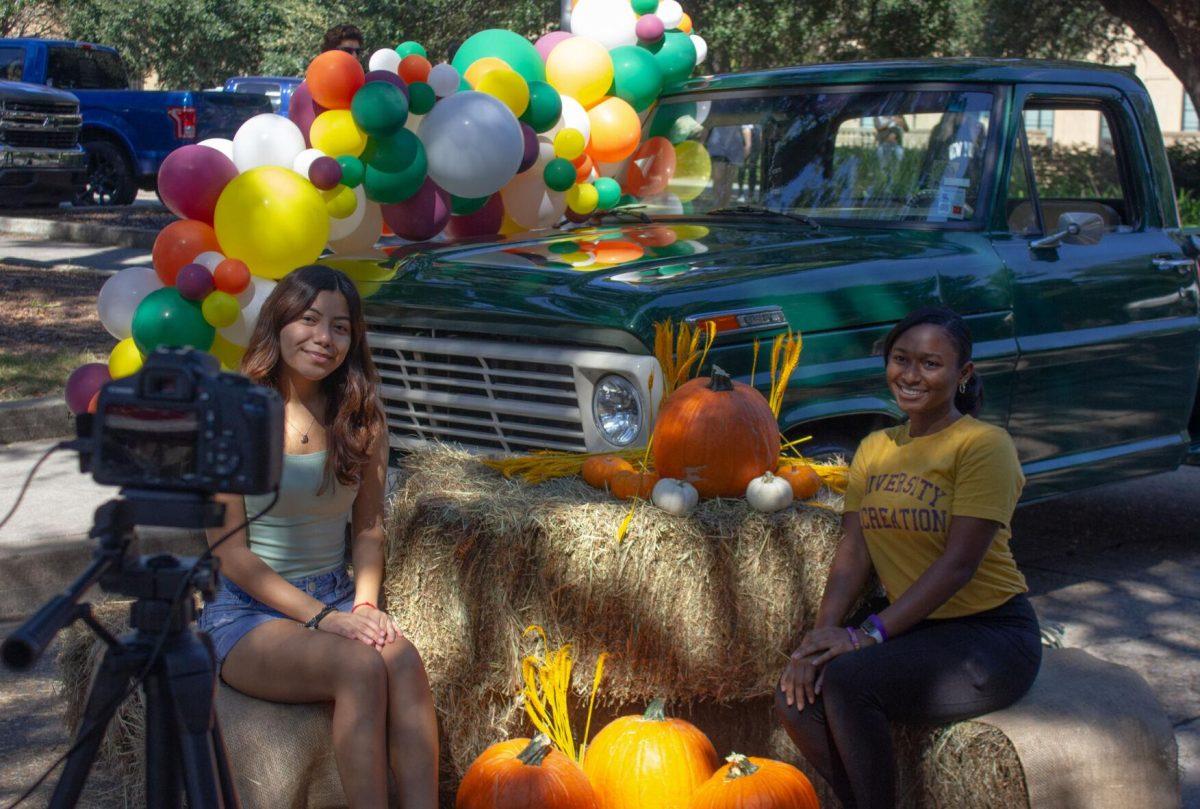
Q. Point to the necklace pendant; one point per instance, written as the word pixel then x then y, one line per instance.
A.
pixel 304 439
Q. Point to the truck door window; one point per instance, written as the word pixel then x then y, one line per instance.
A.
pixel 76 68
pixel 12 63
pixel 1076 168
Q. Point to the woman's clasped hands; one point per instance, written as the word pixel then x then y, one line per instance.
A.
pixel 368 624
pixel 805 673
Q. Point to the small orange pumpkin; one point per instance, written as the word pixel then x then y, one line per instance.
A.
pixel 625 485
pixel 648 761
pixel 755 783
pixel 599 469
pixel 804 481
pixel 716 434
pixel 522 773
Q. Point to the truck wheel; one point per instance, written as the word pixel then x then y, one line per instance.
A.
pixel 110 178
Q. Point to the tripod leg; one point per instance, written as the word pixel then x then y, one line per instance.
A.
pixel 224 773
pixel 112 678
pixel 191 678
pixel 164 781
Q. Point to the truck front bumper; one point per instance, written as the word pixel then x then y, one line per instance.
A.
pixel 29 176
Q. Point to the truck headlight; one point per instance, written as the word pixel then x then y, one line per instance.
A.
pixel 617 408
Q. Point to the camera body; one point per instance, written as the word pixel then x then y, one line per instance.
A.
pixel 180 424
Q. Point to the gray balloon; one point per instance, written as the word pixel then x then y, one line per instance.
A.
pixel 473 143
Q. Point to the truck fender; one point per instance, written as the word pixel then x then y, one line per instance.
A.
pixel 837 426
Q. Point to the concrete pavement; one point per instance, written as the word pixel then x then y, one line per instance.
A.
pixel 31 251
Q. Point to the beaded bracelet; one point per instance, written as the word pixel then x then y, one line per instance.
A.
pixel 363 604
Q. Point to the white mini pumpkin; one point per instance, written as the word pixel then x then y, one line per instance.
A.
pixel 769 493
pixel 673 496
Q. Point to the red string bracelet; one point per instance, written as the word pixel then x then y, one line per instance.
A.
pixel 362 604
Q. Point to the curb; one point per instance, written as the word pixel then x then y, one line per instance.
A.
pixel 83 232
pixel 35 419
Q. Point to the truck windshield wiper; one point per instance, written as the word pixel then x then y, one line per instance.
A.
pixel 759 210
pixel 626 214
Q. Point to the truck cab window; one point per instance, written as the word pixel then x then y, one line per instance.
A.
pixel 12 64
pixel 78 68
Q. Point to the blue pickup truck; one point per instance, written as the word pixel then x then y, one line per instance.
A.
pixel 126 133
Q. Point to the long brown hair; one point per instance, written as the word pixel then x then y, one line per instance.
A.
pixel 352 408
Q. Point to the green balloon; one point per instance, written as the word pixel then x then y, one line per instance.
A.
pixel 461 206
pixel 559 174
pixel 628 199
pixel 512 48
pixel 396 167
pixel 562 248
pixel 609 191
pixel 674 250
pixel 166 318
pixel 352 171
pixel 637 76
pixel 676 55
pixel 645 6
pixel 409 48
pixel 673 121
pixel 545 107
pixel 379 108
pixel 421 97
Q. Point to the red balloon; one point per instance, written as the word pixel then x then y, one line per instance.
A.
pixel 232 276
pixel 333 78
pixel 484 222
pixel 414 67
pixel 178 244
pixel 192 178
pixel 94 403
pixel 84 383
pixel 652 167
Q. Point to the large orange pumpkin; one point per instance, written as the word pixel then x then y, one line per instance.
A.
pixel 625 485
pixel 523 773
pixel 599 469
pixel 755 783
pixel 716 434
pixel 648 761
pixel 804 481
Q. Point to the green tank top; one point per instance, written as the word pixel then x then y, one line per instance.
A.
pixel 305 533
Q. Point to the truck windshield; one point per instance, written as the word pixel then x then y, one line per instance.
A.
pixel 876 154
pixel 75 68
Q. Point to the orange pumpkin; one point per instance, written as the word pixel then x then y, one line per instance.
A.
pixel 625 485
pixel 804 481
pixel 599 469
pixel 755 783
pixel 716 434
pixel 648 761
pixel 521 773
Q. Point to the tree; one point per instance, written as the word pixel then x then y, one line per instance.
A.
pixel 1170 28
pixel 29 18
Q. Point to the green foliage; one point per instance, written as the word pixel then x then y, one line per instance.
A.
pixel 1189 209
pixel 1184 157
pixel 1075 172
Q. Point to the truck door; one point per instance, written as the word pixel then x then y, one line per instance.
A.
pixel 1107 332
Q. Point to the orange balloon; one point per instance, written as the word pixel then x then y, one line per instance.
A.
pixel 94 402
pixel 655 236
pixel 652 167
pixel 685 24
pixel 178 244
pixel 414 67
pixel 231 276
pixel 618 252
pixel 616 130
pixel 333 78
pixel 583 168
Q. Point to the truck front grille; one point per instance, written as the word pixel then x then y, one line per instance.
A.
pixel 40 140
pixel 39 125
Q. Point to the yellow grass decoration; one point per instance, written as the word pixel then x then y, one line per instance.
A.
pixel 680 353
pixel 547 684
pixel 785 356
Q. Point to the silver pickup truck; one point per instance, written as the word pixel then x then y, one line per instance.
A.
pixel 41 161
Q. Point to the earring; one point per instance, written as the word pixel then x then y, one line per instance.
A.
pixel 962 387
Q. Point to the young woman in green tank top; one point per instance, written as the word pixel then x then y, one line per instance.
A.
pixel 288 622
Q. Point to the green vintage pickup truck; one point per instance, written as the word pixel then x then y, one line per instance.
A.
pixel 832 200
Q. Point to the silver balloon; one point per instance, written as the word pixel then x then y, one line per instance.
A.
pixel 474 144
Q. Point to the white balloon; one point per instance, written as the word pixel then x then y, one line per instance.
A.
pixel 701 48
pixel 612 23
pixel 413 124
pixel 209 259
pixel 304 161
pixel 120 296
pixel 444 80
pixel 384 59
pixel 527 201
pixel 703 108
pixel 362 241
pixel 574 116
pixel 666 203
pixel 671 13
pixel 341 228
pixel 251 300
pixel 617 169
pixel 222 145
pixel 267 140
pixel 473 144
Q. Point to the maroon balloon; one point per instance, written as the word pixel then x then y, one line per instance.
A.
pixel 191 180
pixel 390 78
pixel 484 222
pixel 577 218
pixel 325 173
pixel 83 383
pixel 302 110
pixel 194 282
pixel 422 216
pixel 531 148
pixel 650 28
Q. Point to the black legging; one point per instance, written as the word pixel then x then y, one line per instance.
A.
pixel 938 672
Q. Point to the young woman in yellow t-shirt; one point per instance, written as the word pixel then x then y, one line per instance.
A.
pixel 928 509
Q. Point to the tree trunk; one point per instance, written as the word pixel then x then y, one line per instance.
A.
pixel 1170 28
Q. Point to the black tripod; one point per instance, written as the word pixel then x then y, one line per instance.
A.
pixel 185 752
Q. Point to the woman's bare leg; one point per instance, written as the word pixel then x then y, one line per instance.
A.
pixel 284 662
pixel 412 726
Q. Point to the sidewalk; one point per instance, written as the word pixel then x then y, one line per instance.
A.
pixel 31 251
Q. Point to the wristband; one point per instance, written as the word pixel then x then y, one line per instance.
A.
pixel 874 622
pixel 853 637
pixel 363 604
pixel 315 621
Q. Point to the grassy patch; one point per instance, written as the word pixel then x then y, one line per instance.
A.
pixel 40 373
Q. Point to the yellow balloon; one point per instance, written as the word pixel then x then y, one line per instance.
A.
pixel 272 219
pixel 125 359
pixel 340 202
pixel 616 130
pixel 508 86
pixel 581 68
pixel 693 170
pixel 220 309
pixel 335 133
pixel 685 24
pixel 368 276
pixel 508 227
pixel 583 198
pixel 568 144
pixel 229 354
pixel 481 67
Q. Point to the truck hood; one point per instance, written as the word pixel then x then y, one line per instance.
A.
pixel 601 282
pixel 23 91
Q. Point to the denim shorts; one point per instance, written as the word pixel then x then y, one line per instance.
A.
pixel 233 612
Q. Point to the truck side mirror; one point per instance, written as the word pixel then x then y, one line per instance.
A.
pixel 1073 228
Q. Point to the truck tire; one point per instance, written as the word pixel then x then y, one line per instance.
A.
pixel 110 178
